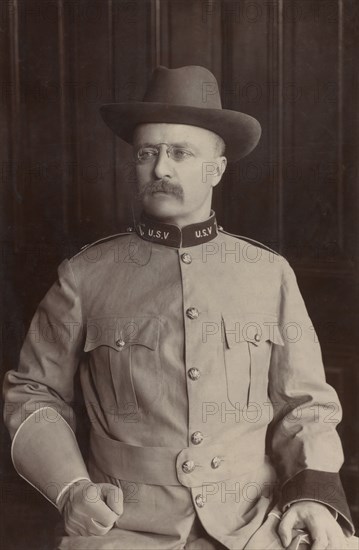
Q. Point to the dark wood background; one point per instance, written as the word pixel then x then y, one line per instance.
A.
pixel 66 180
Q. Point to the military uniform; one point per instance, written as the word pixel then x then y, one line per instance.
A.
pixel 204 385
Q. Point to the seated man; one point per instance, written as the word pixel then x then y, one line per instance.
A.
pixel 200 369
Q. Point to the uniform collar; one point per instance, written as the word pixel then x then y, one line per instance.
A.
pixel 172 235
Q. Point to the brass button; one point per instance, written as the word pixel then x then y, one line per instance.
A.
pixel 197 438
pixel 194 373
pixel 120 343
pixel 186 258
pixel 192 313
pixel 216 462
pixel 257 337
pixel 188 466
pixel 199 500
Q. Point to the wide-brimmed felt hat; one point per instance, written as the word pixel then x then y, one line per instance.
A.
pixel 186 95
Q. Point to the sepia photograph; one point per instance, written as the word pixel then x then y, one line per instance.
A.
pixel 179 274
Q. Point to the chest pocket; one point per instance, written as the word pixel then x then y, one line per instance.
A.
pixel 124 361
pixel 247 348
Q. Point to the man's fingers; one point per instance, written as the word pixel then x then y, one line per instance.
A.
pixel 93 509
pixel 113 497
pixel 101 513
pixel 318 534
pixel 73 527
pixel 285 527
pixel 96 528
pixel 97 519
pixel 315 519
pixel 320 543
pixel 335 544
pixel 336 538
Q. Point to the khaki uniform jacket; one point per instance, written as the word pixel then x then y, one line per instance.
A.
pixel 203 380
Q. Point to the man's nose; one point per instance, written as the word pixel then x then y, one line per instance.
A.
pixel 162 166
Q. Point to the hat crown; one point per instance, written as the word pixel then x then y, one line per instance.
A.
pixel 190 86
pixel 186 95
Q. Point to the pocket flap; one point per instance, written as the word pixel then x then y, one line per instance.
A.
pixel 254 328
pixel 121 332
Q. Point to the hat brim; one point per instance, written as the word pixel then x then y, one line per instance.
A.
pixel 240 132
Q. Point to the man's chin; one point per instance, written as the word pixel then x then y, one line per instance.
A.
pixel 161 205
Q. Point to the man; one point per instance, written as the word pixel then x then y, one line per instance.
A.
pixel 199 366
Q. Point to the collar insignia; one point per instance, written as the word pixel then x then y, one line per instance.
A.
pixel 172 235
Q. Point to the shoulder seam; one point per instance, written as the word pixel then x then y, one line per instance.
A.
pixel 252 241
pixel 77 286
pixel 103 239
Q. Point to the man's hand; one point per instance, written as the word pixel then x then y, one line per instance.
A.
pixel 316 519
pixel 91 509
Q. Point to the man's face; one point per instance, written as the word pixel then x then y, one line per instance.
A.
pixel 177 166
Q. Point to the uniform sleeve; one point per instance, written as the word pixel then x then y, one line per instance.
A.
pixel 304 444
pixel 39 393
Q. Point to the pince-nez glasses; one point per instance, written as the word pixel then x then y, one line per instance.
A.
pixel 149 154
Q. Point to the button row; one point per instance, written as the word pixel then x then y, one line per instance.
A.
pixel 199 500
pixel 193 373
pixel 216 462
pixel 188 466
pixel 192 313
pixel 197 438
pixel 186 258
pixel 120 343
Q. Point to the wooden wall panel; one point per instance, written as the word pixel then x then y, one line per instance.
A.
pixel 251 83
pixel 39 206
pixel 133 61
pixel 38 169
pixel 187 31
pixel 312 63
pixel 13 103
pixel 6 93
pixel 350 134
pixel 91 63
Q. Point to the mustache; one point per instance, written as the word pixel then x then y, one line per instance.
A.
pixel 162 185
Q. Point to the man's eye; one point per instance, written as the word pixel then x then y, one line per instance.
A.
pixel 180 154
pixel 145 154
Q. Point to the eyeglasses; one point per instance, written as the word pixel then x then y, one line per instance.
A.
pixel 149 154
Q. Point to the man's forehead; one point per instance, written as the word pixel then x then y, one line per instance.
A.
pixel 168 132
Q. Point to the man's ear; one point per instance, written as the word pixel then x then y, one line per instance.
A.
pixel 223 165
pixel 213 170
pixel 220 169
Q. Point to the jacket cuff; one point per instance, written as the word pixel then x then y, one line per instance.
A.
pixel 45 453
pixel 62 496
pixel 319 486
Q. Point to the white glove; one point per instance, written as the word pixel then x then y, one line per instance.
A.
pixel 91 508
